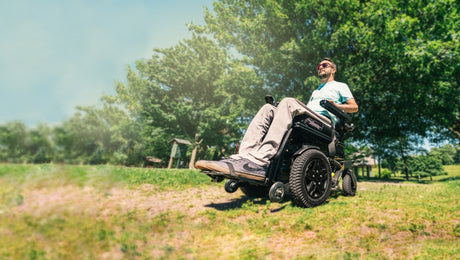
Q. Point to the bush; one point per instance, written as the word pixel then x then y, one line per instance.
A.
pixel 386 174
pixel 425 166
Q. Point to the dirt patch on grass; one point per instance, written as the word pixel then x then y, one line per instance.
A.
pixel 97 203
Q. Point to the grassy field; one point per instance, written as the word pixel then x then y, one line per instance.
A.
pixel 106 212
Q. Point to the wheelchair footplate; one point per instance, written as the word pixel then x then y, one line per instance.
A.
pixel 220 176
pixel 215 176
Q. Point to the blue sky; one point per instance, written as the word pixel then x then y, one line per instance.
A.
pixel 56 55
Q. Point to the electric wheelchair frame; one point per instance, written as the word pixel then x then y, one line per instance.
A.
pixel 308 164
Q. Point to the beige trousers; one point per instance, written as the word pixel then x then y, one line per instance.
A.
pixel 266 130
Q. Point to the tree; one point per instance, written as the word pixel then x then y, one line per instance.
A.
pixel 406 56
pixel 424 166
pixel 400 58
pixel 192 91
pixel 272 37
pixel 100 135
pixel 38 144
pixel 447 154
pixel 80 139
pixel 12 142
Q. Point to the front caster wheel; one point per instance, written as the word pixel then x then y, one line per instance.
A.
pixel 231 186
pixel 277 192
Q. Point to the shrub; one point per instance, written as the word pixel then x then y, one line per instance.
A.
pixel 386 174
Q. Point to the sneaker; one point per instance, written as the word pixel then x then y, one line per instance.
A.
pixel 246 168
pixel 217 166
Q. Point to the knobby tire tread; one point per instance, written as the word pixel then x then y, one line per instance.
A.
pixel 347 185
pixel 299 195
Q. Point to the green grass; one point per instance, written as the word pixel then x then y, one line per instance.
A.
pixel 107 212
pixel 104 176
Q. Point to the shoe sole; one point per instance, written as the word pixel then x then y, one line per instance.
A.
pixel 209 165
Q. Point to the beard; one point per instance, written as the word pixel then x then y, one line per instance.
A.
pixel 324 77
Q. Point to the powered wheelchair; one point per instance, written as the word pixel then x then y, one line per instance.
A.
pixel 308 165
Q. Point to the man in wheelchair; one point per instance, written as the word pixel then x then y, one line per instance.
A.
pixel 276 130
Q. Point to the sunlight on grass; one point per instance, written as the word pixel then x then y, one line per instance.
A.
pixel 49 175
pixel 106 212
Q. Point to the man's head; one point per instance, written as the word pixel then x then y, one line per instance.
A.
pixel 326 70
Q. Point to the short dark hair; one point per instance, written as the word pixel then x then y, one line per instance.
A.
pixel 330 60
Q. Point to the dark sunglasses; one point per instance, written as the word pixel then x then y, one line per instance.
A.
pixel 324 65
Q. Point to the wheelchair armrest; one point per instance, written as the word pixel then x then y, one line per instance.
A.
pixel 336 111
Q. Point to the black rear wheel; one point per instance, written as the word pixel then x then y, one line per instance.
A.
pixel 310 179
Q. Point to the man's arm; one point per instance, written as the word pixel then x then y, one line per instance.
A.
pixel 349 106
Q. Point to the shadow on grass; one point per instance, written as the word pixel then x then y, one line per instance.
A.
pixel 335 193
pixel 371 179
pixel 239 202
pixel 412 179
pixel 393 180
pixel 456 178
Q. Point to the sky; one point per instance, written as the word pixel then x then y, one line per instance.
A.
pixel 56 55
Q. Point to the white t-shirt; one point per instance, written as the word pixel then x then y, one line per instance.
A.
pixel 333 90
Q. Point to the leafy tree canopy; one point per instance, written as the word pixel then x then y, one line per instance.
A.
pixel 400 58
pixel 192 89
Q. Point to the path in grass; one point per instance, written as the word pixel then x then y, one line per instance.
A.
pixel 94 202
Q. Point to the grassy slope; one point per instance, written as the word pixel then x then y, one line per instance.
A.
pixel 104 212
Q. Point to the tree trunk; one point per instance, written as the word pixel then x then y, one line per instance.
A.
pixel 195 149
pixel 406 170
pixel 192 159
pixel 171 157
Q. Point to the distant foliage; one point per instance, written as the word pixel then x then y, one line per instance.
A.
pixel 91 136
pixel 386 174
pixel 425 166
pixel 449 154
